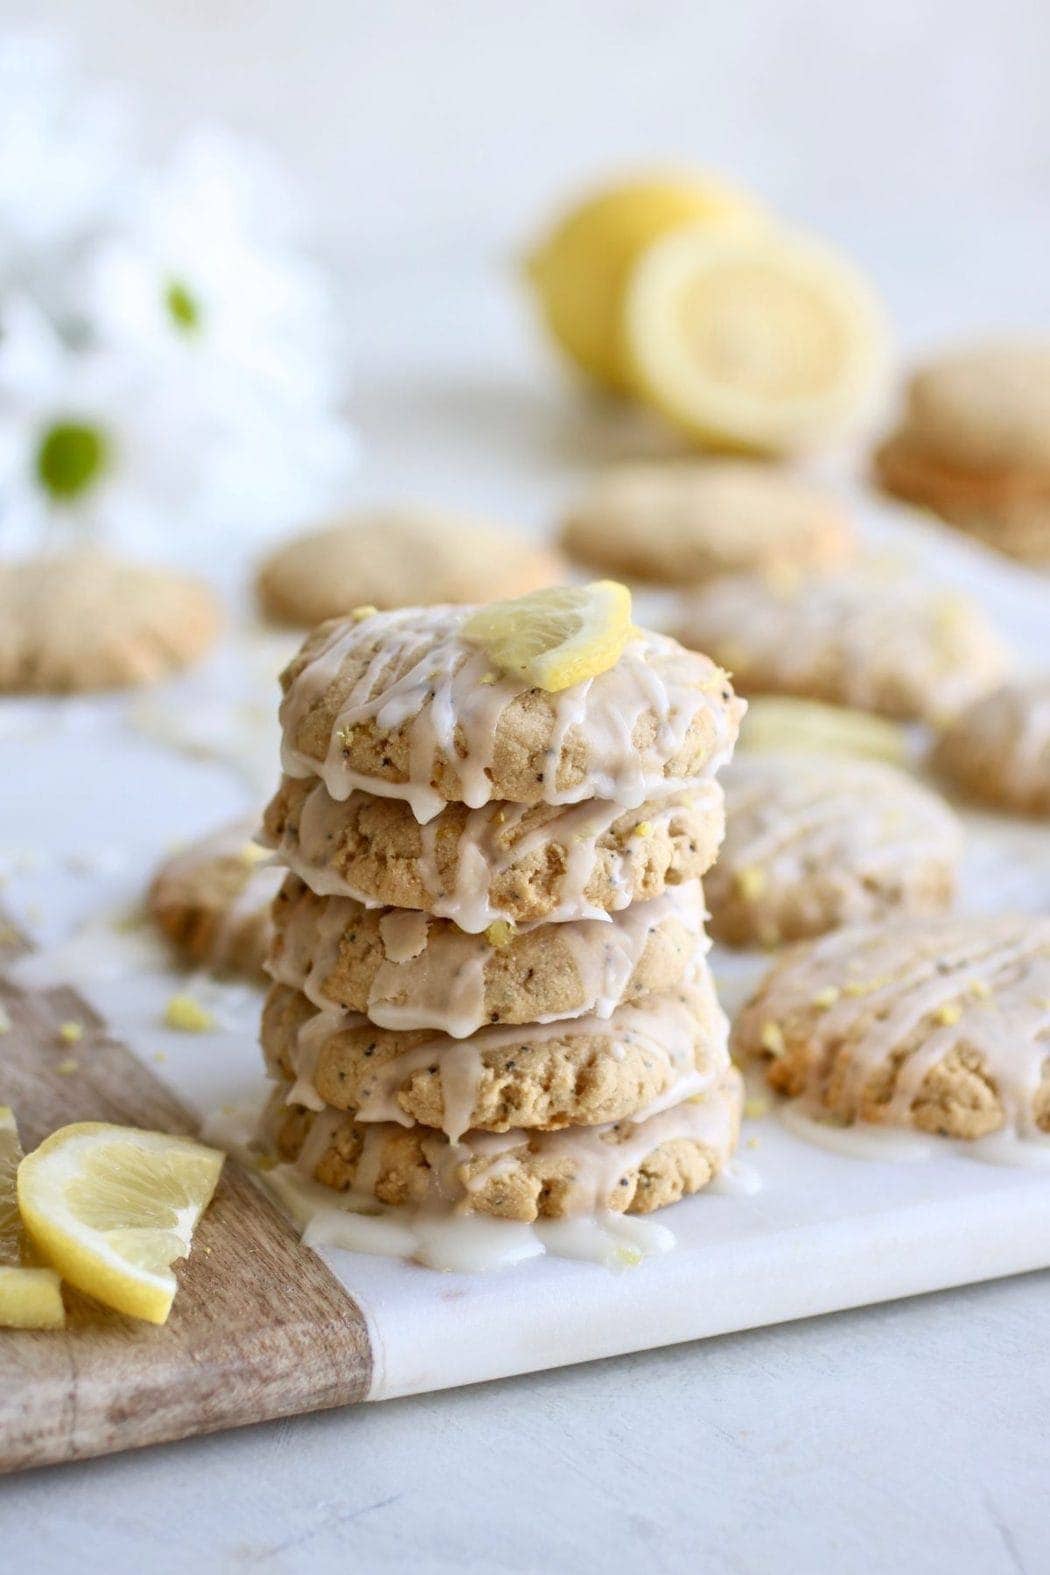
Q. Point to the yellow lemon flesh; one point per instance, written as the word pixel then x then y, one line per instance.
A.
pixel 30 1298
pixel 556 638
pixel 809 725
pixel 762 343
pixel 111 1208
pixel 580 271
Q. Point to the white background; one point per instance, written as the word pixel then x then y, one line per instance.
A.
pixel 433 137
pixel 914 132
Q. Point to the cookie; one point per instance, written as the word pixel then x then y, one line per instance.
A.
pixel 399 558
pixel 629 1167
pixel 973 445
pixel 579 1072
pixel 406 970
pixel 879 642
pixel 681 524
pixel 82 620
pixel 998 749
pixel 814 843
pixel 941 1024
pixel 212 900
pixel 503 862
pixel 401 705
pixel 984 407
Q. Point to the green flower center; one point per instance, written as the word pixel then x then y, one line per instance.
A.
pixel 70 458
pixel 184 309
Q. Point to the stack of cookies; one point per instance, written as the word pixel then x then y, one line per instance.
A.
pixel 490 992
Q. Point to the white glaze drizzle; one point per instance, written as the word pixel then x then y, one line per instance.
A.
pixel 921 988
pixel 859 823
pixel 419 673
pixel 863 634
pixel 684 1033
pixel 434 975
pixel 488 848
pixel 599 1157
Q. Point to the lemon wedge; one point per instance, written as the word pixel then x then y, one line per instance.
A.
pixel 112 1208
pixel 809 725
pixel 763 343
pixel 580 271
pixel 558 637
pixel 30 1298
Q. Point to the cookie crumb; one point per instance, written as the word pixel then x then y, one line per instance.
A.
pixel 750 881
pixel 187 1015
pixel 772 1038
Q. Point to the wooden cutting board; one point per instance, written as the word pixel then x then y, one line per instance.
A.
pixel 260 1328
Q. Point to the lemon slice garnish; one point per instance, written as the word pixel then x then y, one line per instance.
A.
pixel 30 1298
pixel 809 725
pixel 112 1208
pixel 763 342
pixel 557 637
pixel 580 271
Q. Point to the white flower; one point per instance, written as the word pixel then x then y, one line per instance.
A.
pixel 58 441
pixel 169 362
pixel 63 159
pixel 188 281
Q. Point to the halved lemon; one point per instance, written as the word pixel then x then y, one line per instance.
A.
pixel 557 637
pixel 30 1298
pixel 811 726
pixel 581 269
pixel 764 342
pixel 112 1208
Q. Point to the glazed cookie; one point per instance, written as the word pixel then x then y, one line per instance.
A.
pixel 402 705
pixel 406 970
pixel 687 522
pixel 580 1072
pixel 998 749
pixel 873 641
pixel 82 620
pixel 941 1024
pixel 814 843
pixel 974 445
pixel 212 900
pixel 630 1166
pixel 502 862
pixel 399 558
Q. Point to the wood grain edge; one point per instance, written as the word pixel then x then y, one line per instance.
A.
pixel 260 1328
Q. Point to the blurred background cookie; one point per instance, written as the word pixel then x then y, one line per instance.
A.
pixel 682 523
pixel 998 748
pixel 973 445
pixel 84 620
pixel 396 558
pixel 813 843
pixel 879 642
pixel 212 900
